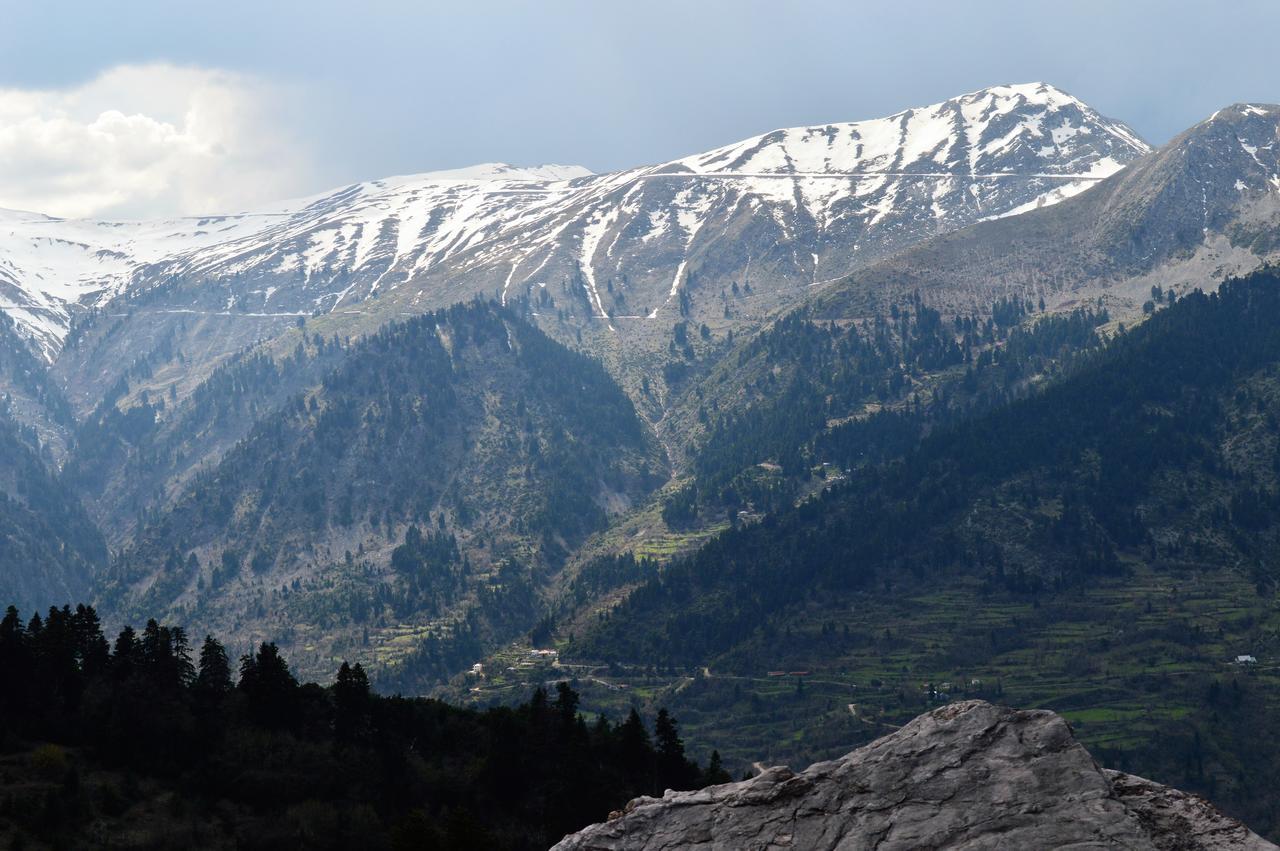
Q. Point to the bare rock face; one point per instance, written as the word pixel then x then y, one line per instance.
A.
pixel 1177 820
pixel 969 775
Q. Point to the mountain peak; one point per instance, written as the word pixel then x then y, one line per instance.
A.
pixel 1231 155
pixel 1239 111
pixel 1037 92
pixel 1025 128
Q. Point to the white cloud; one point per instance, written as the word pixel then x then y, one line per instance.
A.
pixel 140 141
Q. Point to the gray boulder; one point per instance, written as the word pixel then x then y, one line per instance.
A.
pixel 969 775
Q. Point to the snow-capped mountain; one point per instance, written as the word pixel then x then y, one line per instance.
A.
pixel 48 264
pixel 1203 207
pixel 775 213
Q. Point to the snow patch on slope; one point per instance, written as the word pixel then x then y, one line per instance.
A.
pixel 877 182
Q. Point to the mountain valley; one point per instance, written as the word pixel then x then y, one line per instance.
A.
pixel 798 437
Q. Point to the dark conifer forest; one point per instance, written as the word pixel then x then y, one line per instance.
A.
pixel 160 741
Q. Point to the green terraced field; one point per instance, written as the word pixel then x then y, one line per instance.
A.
pixel 1130 663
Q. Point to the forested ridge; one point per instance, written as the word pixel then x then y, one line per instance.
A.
pixel 379 440
pixel 804 393
pixel 1151 404
pixel 152 742
pixel 1107 546
pixel 466 425
pixel 129 457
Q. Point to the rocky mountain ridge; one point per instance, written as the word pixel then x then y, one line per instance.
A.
pixel 969 775
pixel 608 261
pixel 1200 208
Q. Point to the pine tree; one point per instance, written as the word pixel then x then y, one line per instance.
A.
pixel 213 680
pixel 351 702
pixel 91 646
pixel 125 653
pixel 674 770
pixel 566 704
pixel 715 773
pixel 12 632
pixel 269 686
pixel 636 757
pixel 15 661
pixel 538 705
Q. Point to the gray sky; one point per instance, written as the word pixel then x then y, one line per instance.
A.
pixel 147 108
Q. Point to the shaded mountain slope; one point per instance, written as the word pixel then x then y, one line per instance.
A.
pixel 807 398
pixel 137 452
pixel 28 392
pixel 50 549
pixel 425 477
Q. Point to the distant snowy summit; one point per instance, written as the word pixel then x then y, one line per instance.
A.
pixel 1019 129
pixel 486 172
pixel 779 212
pixel 49 264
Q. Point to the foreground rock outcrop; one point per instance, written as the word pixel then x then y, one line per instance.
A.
pixel 969 775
